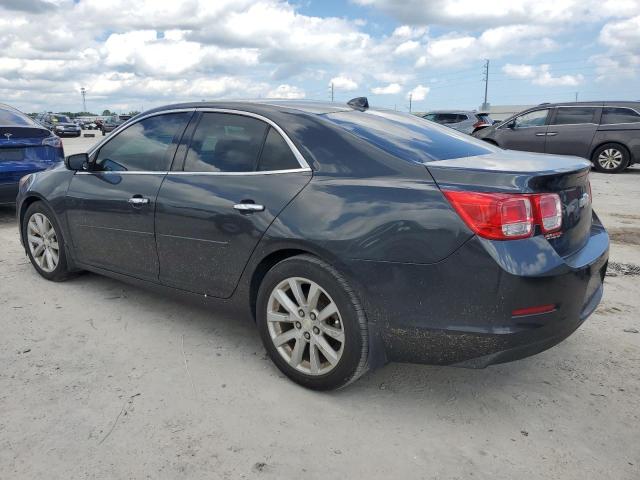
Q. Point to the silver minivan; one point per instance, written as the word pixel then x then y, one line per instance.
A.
pixel 607 133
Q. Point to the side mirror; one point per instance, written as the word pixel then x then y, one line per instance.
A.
pixel 512 125
pixel 76 162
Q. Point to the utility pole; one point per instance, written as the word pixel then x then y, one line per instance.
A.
pixel 410 98
pixel 485 105
pixel 332 91
pixel 83 91
pixel 576 97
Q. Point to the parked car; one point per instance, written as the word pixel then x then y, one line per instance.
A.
pixel 113 122
pixel 461 120
pixel 60 124
pixel 607 133
pixel 91 126
pixel 352 235
pixel 25 147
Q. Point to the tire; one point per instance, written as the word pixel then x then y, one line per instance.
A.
pixel 610 158
pixel 339 342
pixel 103 134
pixel 39 210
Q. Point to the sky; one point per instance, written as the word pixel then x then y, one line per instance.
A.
pixel 138 54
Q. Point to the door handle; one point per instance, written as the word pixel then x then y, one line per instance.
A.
pixel 138 201
pixel 552 134
pixel 540 134
pixel 249 207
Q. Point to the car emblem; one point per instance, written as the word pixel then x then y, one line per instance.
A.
pixel 584 199
pixel 8 135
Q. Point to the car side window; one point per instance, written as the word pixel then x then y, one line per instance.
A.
pixel 446 118
pixel 574 115
pixel 461 117
pixel 145 145
pixel 537 118
pixel 613 115
pixel 276 154
pixel 430 116
pixel 224 142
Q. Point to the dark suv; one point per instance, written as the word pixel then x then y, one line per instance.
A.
pixel 607 133
pixel 60 124
pixel 113 122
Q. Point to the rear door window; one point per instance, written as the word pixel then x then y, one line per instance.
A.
pixel 446 118
pixel 224 142
pixel 574 115
pixel 276 154
pixel 613 115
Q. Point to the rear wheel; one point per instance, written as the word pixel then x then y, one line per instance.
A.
pixel 610 158
pixel 44 242
pixel 312 324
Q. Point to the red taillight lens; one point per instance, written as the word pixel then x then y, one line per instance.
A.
pixel 499 216
pixel 521 312
pixel 480 123
pixel 507 216
pixel 549 210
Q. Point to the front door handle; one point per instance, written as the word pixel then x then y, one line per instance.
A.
pixel 138 200
pixel 249 207
pixel 551 134
pixel 540 134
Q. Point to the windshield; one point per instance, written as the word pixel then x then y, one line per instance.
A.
pixel 408 136
pixel 60 118
pixel 11 118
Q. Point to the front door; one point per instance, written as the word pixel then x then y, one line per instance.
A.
pixel 571 130
pixel 110 208
pixel 239 173
pixel 525 132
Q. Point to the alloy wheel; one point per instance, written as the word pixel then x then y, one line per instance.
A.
pixel 43 242
pixel 305 326
pixel 610 158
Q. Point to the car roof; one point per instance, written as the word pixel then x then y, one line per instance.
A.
pixel 607 103
pixel 473 112
pixel 306 106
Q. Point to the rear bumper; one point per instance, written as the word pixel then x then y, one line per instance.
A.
pixel 459 311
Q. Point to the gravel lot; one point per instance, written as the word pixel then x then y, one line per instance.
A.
pixel 103 380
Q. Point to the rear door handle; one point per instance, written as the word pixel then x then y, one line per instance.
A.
pixel 249 207
pixel 540 134
pixel 552 134
pixel 138 201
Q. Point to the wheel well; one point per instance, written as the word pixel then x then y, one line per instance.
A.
pixel 263 267
pixel 26 203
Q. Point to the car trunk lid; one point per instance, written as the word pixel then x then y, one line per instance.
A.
pixel 528 173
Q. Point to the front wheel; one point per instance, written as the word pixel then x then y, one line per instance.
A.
pixel 44 242
pixel 312 324
pixel 610 158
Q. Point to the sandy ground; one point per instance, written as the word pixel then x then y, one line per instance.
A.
pixel 102 380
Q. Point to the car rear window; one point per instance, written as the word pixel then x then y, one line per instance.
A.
pixel 408 136
pixel 485 118
pixel 613 115
pixel 11 118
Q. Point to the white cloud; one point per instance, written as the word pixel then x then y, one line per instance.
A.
pixel 622 38
pixel 391 89
pixel 541 75
pixel 419 93
pixel 286 91
pixel 343 83
pixel 408 47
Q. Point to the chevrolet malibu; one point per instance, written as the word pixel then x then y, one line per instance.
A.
pixel 353 236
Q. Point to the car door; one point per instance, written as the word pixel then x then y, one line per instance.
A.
pixel 110 207
pixel 571 130
pixel 240 171
pixel 524 132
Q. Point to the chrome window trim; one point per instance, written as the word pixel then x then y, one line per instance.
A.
pixel 570 124
pixel 296 153
pixel 304 166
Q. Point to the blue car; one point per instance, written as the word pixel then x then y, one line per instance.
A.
pixel 25 147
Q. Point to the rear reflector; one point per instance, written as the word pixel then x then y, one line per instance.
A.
pixel 507 216
pixel 521 312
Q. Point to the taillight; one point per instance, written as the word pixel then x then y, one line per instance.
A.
pixel 52 141
pixel 507 216
pixel 480 123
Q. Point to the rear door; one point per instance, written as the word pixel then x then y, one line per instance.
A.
pixel 571 130
pixel 525 132
pixel 110 209
pixel 239 172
